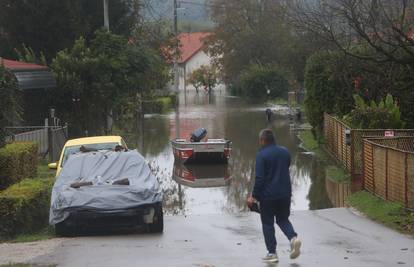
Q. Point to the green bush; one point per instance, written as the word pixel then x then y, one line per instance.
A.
pixel 24 207
pixel 257 79
pixel 383 115
pixel 17 161
pixel 10 108
pixel 159 105
pixel 329 87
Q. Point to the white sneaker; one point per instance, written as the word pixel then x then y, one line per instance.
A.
pixel 295 248
pixel 271 257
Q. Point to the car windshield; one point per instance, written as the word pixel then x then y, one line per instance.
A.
pixel 74 149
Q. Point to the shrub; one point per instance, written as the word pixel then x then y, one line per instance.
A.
pixel 10 109
pixel 24 207
pixel 158 105
pixel 17 161
pixel 329 87
pixel 257 79
pixel 383 115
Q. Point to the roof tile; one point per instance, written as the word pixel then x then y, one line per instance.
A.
pixel 190 44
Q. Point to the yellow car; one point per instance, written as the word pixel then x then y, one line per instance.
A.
pixel 96 142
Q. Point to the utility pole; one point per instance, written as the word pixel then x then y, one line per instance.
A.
pixel 109 115
pixel 175 58
pixel 176 47
pixel 106 15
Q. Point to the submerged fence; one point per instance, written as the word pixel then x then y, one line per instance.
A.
pixel 388 168
pixel 346 144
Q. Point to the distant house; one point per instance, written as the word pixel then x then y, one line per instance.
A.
pixel 32 80
pixel 193 56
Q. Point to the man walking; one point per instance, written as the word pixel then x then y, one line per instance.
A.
pixel 273 190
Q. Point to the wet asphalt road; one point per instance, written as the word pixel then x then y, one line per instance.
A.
pixel 333 237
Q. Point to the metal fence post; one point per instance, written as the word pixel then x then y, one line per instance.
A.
pixel 66 130
pixel 50 143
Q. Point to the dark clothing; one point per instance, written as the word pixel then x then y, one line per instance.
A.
pixel 273 189
pixel 272 174
pixel 268 114
pixel 269 209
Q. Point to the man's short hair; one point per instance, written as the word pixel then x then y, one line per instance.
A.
pixel 267 136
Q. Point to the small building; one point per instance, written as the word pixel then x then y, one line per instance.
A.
pixel 192 55
pixel 33 80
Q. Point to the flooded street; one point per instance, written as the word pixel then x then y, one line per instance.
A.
pixel 215 189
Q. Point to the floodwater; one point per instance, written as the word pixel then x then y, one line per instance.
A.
pixel 219 189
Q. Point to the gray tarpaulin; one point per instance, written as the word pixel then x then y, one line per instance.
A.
pixel 102 168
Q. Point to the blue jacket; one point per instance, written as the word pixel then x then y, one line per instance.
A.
pixel 272 173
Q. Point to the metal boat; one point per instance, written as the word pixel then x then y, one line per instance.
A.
pixel 210 151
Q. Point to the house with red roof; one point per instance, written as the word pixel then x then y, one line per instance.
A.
pixel 34 81
pixel 192 55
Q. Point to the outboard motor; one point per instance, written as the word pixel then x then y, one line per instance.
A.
pixel 198 135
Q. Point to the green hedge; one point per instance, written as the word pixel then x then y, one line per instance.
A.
pixel 17 161
pixel 24 207
pixel 256 79
pixel 329 87
pixel 159 105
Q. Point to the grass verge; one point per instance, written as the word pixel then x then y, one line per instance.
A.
pixel 309 143
pixel 43 170
pixel 390 214
pixel 278 101
pixel 46 233
pixel 337 174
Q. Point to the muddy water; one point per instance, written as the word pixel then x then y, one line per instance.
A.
pixel 223 189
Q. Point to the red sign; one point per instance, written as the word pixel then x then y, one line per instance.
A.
pixel 389 134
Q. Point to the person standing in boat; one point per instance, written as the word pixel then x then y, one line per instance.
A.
pixel 272 194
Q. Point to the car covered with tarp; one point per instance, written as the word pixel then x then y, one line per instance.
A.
pixel 105 188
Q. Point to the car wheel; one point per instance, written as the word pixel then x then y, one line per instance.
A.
pixel 158 225
pixel 62 229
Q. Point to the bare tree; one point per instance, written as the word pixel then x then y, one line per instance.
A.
pixel 375 30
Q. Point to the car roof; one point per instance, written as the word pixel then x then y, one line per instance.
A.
pixel 94 140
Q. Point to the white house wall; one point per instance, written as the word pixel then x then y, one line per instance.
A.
pixel 199 59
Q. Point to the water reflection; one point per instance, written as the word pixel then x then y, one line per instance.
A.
pixel 194 190
pixel 337 192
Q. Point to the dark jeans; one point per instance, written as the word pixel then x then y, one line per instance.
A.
pixel 269 209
